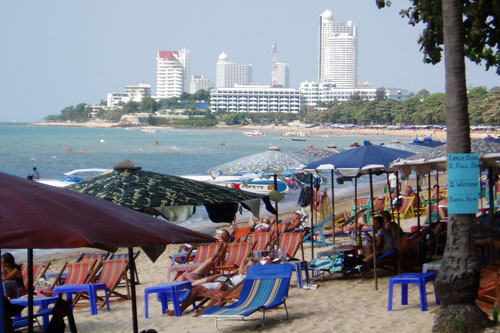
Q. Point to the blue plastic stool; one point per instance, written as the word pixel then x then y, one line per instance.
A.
pixel 300 266
pixel 176 292
pixel 416 278
pixel 91 289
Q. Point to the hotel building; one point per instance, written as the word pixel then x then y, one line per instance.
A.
pixel 338 44
pixel 172 73
pixel 198 82
pixel 132 93
pixel 255 98
pixel 228 73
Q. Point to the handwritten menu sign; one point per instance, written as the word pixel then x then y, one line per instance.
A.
pixel 463 183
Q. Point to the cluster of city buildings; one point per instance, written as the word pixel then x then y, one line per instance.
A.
pixel 235 91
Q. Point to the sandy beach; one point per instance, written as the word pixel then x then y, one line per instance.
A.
pixel 349 304
pixel 436 134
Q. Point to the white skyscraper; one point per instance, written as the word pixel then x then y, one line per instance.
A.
pixel 172 74
pixel 338 44
pixel 228 73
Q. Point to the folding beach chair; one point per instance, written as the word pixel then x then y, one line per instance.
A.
pixel 290 243
pixel 78 273
pixel 405 210
pixel 319 235
pixel 92 256
pixel 235 253
pixel 263 241
pixel 203 253
pixel 38 272
pixel 218 298
pixel 241 234
pixel 265 287
pixel 125 256
pixel 112 272
pixel 362 202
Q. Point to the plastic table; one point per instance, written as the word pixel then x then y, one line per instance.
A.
pixel 175 292
pixel 42 302
pixel 91 289
pixel 300 266
pixel 432 266
pixel 416 278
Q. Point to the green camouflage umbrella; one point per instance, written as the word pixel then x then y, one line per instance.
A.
pixel 173 197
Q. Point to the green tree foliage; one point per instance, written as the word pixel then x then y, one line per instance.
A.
pixel 130 107
pixel 149 105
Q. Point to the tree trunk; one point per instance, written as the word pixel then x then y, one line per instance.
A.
pixel 457 282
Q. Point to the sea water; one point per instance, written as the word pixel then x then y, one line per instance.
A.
pixel 171 151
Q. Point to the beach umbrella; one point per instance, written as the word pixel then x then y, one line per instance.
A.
pixel 35 215
pixel 416 149
pixel 273 161
pixel 173 197
pixel 312 153
pixel 436 159
pixel 492 139
pixel 427 142
pixel 367 159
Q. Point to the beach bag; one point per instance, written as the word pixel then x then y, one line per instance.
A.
pixel 305 196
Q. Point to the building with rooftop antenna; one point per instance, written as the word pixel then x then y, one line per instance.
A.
pixel 280 76
pixel 338 45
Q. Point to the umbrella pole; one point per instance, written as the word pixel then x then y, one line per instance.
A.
pixel 418 204
pixel 437 196
pixel 399 223
pixel 30 290
pixel 374 238
pixel 333 208
pixel 1 294
pixel 356 213
pixel 390 198
pixel 492 212
pixel 277 220
pixel 312 216
pixel 132 289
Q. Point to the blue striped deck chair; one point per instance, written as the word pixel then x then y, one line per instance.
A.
pixel 265 287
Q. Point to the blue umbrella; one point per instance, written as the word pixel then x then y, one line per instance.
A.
pixel 360 160
pixel 490 138
pixel 366 159
pixel 428 142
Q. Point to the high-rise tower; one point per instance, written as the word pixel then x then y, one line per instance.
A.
pixel 172 73
pixel 228 73
pixel 280 76
pixel 338 45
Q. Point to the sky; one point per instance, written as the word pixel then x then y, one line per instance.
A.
pixel 57 53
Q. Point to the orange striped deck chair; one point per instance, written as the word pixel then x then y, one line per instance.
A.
pixel 112 273
pixel 262 240
pixel 235 253
pixel 93 256
pixel 241 233
pixel 78 273
pixel 38 271
pixel 203 253
pixel 406 208
pixel 291 242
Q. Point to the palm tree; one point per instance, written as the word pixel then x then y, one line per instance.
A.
pixel 458 279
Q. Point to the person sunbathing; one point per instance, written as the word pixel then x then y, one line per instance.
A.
pixel 392 226
pixel 218 282
pixel 352 226
pixel 384 241
pixel 262 226
pixel 295 221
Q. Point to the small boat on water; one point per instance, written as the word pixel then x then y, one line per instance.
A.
pixel 74 176
pixel 253 133
pixel 298 139
pixel 255 185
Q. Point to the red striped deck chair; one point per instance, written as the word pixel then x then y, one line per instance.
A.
pixel 290 242
pixel 78 273
pixel 203 253
pixel 235 253
pixel 93 256
pixel 112 273
pixel 38 271
pixel 240 234
pixel 262 240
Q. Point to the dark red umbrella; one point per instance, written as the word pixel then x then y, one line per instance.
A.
pixel 35 215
